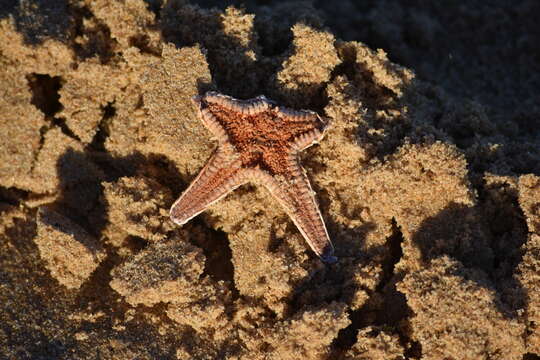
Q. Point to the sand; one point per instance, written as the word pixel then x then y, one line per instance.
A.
pixel 428 180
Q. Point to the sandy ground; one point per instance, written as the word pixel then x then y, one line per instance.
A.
pixel 428 181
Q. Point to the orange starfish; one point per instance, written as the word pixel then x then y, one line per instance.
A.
pixel 258 141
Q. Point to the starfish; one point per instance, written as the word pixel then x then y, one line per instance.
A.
pixel 258 142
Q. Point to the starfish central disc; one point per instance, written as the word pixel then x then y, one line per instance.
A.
pixel 259 142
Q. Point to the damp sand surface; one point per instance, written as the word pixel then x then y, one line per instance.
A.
pixel 428 180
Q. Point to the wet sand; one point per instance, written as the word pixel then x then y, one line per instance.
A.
pixel 428 180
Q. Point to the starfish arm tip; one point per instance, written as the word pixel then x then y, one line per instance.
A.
pixel 175 219
pixel 329 259
pixel 196 99
pixel 327 255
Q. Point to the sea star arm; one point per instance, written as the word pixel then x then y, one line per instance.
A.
pixel 218 177
pixel 297 198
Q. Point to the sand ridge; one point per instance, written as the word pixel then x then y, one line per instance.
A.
pixel 431 195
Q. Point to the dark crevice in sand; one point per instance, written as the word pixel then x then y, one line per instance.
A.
pixel 386 308
pixel 216 249
pixel 98 141
pixel 109 111
pixel 45 94
pixel 142 42
pixel 508 229
pixel 276 242
pixel 394 311
pixel 46 97
pixel 359 319
pixel 12 196
pixel 395 253
pixel 346 337
pixel 320 100
pixel 413 351
pixel 96 295
pixel 80 13
pixel 347 65
pixel 42 131
pixel 530 356
pixel 61 123
pixel 93 35
pixel 135 243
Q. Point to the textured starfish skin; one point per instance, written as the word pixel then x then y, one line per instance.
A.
pixel 258 141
